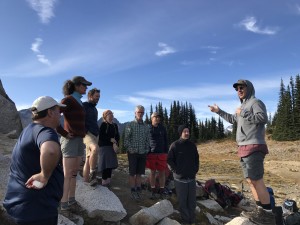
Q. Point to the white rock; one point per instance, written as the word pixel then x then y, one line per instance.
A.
pixel 99 201
pixel 153 214
pixel 240 221
pixel 211 204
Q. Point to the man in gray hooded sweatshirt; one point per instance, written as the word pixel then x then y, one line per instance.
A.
pixel 251 118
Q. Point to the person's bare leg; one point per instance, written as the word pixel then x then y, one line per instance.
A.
pixel 94 149
pixel 73 179
pixel 152 178
pixel 86 169
pixel 259 191
pixel 68 166
pixel 132 181
pixel 138 180
pixel 162 178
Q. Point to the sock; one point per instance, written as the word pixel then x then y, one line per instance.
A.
pixel 258 203
pixel 71 200
pixel 267 206
pixel 132 189
pixel 64 205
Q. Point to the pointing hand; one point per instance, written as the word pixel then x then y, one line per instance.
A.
pixel 214 108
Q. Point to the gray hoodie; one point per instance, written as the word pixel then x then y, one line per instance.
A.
pixel 251 121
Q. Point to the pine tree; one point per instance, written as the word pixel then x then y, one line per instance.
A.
pixel 296 109
pixel 283 123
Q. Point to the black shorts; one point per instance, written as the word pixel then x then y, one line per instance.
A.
pixel 137 163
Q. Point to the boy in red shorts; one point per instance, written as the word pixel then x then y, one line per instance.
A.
pixel 157 157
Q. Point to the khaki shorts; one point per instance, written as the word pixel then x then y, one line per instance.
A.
pixel 88 140
pixel 72 147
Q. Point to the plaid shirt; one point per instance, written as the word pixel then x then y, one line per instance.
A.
pixel 137 138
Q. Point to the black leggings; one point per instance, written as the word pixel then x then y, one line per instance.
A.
pixel 106 173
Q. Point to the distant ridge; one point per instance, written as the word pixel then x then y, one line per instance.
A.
pixel 25 116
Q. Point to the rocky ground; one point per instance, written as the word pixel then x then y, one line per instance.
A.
pixel 218 160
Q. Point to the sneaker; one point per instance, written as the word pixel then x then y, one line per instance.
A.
pixel 68 214
pixel 76 208
pixel 93 179
pixel 260 216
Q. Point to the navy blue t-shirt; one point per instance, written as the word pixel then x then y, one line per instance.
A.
pixel 24 204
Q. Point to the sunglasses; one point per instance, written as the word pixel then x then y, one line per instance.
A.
pixel 141 112
pixel 239 88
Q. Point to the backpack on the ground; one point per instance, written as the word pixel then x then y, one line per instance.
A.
pixel 222 194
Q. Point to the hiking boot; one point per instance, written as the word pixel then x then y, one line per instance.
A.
pixel 260 216
pixel 135 195
pixel 93 179
pixel 76 208
pixel 164 194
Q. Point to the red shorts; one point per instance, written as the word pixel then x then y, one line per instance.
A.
pixel 157 161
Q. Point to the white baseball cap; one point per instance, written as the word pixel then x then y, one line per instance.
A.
pixel 43 103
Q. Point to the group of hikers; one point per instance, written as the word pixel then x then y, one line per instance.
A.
pixel 42 179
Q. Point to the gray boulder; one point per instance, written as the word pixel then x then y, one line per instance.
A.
pixel 99 201
pixel 9 119
pixel 168 221
pixel 4 171
pixel 153 214
pixel 25 116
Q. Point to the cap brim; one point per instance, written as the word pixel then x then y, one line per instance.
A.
pixel 236 84
pixel 86 83
pixel 61 105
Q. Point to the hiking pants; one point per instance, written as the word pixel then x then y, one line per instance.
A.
pixel 186 196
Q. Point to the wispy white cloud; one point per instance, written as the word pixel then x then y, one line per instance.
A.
pixel 165 49
pixel 297 9
pixel 250 24
pixel 35 46
pixel 43 59
pixel 211 49
pixel 44 9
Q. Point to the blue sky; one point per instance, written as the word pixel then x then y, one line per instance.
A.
pixel 145 52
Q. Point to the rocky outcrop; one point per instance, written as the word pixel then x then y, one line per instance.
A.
pixel 4 170
pixel 25 116
pixel 9 119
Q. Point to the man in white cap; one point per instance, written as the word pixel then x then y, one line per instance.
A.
pixel 35 184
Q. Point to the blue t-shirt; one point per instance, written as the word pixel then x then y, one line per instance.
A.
pixel 24 204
